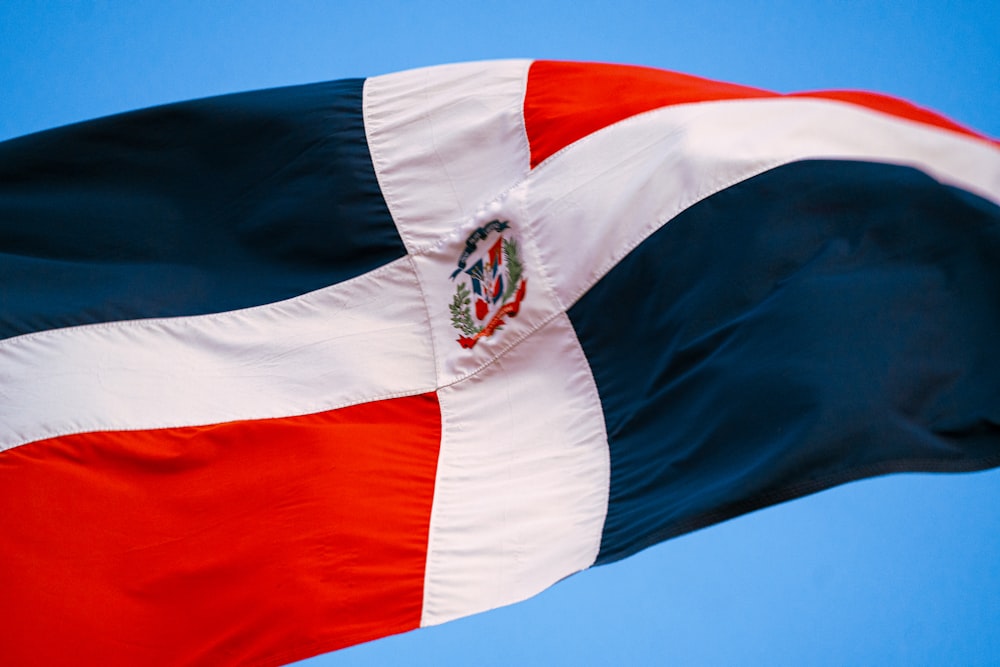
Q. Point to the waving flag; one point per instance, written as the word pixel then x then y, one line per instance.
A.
pixel 290 370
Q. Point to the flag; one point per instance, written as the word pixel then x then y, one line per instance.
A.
pixel 290 370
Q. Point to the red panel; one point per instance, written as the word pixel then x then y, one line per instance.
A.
pixel 259 542
pixel 896 107
pixel 566 101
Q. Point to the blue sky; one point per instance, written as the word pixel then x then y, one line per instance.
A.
pixel 899 570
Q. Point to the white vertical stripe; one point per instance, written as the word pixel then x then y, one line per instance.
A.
pixel 522 486
pixel 444 140
pixel 523 472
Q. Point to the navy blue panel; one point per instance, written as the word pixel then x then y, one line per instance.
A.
pixel 190 208
pixel 822 322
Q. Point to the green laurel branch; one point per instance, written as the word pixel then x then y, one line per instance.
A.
pixel 461 316
pixel 514 267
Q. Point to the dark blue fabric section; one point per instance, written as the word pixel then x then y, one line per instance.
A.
pixel 819 323
pixel 190 208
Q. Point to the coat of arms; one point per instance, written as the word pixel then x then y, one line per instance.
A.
pixel 490 283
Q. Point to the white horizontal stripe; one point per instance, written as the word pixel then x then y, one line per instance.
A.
pixel 592 203
pixel 522 486
pixel 444 140
pixel 353 342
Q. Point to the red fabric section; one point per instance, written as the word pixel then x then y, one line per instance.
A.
pixel 566 101
pixel 246 543
pixel 895 107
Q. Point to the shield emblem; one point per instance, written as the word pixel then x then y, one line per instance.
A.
pixel 490 283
